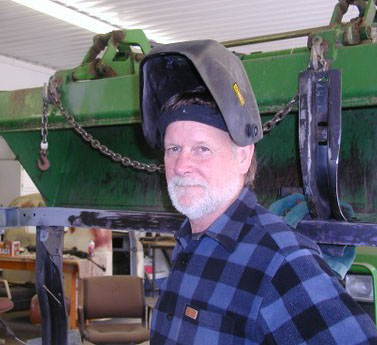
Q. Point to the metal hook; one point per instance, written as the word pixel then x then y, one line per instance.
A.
pixel 43 162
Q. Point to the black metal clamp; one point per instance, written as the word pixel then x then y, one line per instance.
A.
pixel 319 141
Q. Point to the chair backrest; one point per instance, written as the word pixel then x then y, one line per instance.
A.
pixel 113 296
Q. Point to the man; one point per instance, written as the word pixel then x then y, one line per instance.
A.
pixel 239 275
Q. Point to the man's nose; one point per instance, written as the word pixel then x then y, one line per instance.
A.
pixel 183 164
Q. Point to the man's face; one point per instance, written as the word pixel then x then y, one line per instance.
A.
pixel 203 168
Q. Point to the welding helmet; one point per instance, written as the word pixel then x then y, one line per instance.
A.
pixel 179 67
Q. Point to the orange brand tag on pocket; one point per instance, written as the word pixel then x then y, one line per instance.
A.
pixel 191 313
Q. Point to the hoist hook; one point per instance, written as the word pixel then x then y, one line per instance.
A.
pixel 43 162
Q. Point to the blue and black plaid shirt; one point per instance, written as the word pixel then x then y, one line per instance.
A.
pixel 249 279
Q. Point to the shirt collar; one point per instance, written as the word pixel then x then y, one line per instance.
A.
pixel 226 229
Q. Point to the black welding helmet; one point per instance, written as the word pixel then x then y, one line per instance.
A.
pixel 179 67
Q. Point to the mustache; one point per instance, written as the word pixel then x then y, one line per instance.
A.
pixel 188 182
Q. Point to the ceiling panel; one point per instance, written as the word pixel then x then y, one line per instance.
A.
pixel 34 37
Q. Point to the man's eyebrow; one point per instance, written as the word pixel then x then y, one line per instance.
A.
pixel 170 143
pixel 201 143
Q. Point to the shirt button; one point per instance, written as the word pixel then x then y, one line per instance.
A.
pixel 169 316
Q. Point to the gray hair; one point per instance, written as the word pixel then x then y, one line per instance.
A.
pixel 251 173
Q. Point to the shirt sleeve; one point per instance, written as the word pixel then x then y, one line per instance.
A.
pixel 303 303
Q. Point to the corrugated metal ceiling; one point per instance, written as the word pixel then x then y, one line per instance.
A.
pixel 34 37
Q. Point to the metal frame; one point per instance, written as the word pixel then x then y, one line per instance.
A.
pixel 50 223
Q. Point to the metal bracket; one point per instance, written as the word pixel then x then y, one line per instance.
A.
pixel 319 141
pixel 358 29
pixel 117 58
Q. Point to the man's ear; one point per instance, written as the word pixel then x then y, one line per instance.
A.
pixel 245 154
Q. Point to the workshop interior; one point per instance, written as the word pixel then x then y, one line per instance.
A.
pixel 85 217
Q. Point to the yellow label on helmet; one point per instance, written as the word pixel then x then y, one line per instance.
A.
pixel 239 94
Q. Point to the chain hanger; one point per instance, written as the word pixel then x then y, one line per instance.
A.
pixel 52 96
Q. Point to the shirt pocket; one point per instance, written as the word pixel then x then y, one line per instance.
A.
pixel 209 328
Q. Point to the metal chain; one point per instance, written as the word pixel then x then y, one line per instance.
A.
pixel 51 95
pixel 44 120
pixel 279 116
pixel 318 62
pixel 54 98
pixel 42 161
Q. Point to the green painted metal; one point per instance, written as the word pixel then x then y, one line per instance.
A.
pixel 274 76
pixel 109 101
pixel 108 107
pixel 115 100
pixel 367 255
pixel 112 100
pixel 118 56
pixel 278 161
pixel 355 31
pixel 80 177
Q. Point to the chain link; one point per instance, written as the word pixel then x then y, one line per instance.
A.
pixel 54 97
pixel 44 120
pixel 279 116
pixel 42 161
pixel 318 62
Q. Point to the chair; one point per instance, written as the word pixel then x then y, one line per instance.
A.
pixel 6 304
pixel 115 297
pixel 35 310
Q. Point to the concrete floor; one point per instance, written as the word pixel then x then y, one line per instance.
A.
pixel 19 322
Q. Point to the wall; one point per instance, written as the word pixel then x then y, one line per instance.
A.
pixel 16 74
pixel 14 181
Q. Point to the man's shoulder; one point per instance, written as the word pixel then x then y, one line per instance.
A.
pixel 269 230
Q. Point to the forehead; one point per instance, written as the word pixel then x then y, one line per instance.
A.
pixel 185 132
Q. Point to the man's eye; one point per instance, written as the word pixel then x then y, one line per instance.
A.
pixel 202 149
pixel 172 149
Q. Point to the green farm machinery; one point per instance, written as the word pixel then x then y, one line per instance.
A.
pixel 81 142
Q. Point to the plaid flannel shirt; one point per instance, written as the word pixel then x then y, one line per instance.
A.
pixel 250 279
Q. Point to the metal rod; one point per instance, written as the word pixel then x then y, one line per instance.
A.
pixel 272 37
pixel 51 294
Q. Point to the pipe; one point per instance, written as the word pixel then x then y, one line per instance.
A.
pixel 273 37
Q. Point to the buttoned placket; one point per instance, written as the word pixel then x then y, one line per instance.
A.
pixel 181 263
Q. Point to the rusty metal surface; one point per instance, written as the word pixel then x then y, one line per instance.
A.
pixel 130 221
pixel 339 233
pixel 319 141
pixel 86 218
pixel 278 162
pixel 329 231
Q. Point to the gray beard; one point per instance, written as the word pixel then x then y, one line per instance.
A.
pixel 211 201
